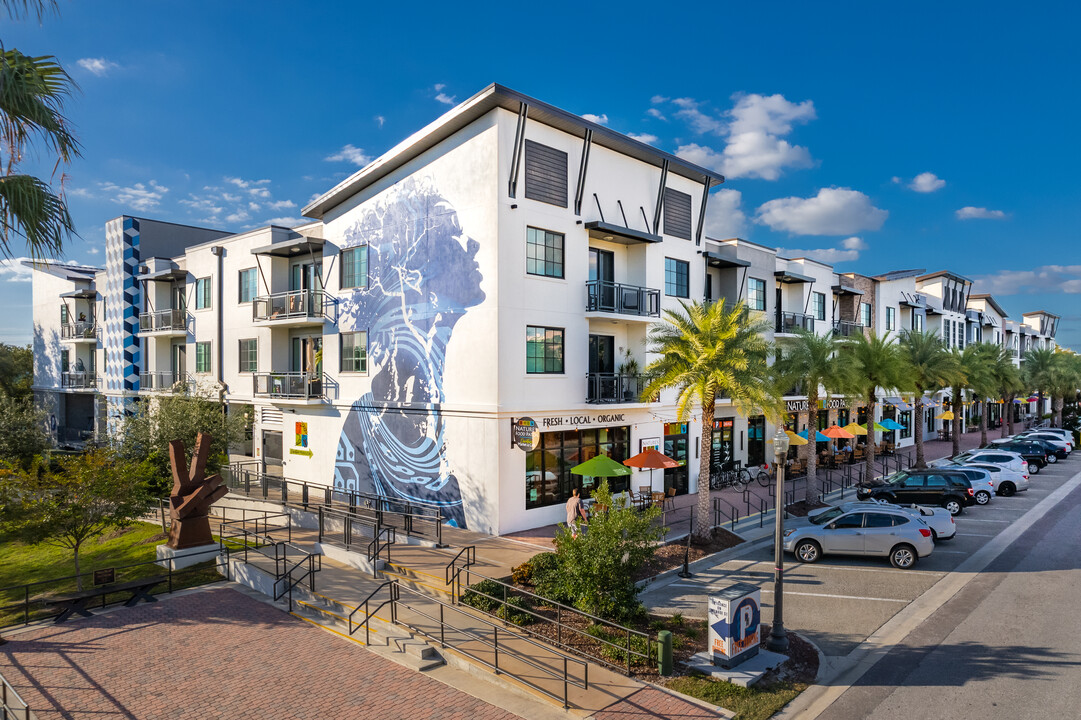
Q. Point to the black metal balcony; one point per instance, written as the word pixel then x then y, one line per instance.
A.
pixel 790 322
pixel 79 330
pixel 163 321
pixel 293 306
pixel 160 381
pixel 79 380
pixel 290 385
pixel 613 297
pixel 615 388
pixel 847 329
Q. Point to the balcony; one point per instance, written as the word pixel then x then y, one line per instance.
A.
pixel 616 298
pixel 296 307
pixel 790 322
pixel 302 386
pixel 164 322
pixel 847 329
pixel 81 331
pixel 160 381
pixel 615 388
pixel 79 380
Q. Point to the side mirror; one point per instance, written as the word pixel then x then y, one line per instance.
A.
pixel 831 526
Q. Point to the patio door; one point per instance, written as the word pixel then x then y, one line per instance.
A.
pixel 306 356
pixel 602 269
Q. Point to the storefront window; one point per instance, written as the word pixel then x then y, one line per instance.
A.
pixel 675 447
pixel 823 423
pixel 756 440
pixel 906 420
pixel 548 480
pixel 723 448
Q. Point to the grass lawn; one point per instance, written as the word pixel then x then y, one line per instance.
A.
pixel 21 564
pixel 753 703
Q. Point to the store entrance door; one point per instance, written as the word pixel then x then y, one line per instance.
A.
pixel 675 447
pixel 756 440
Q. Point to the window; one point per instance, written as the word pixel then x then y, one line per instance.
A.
pixel 202 293
pixel 249 355
pixel 545 174
pixel 543 253
pixel 818 303
pixel 202 357
pixel 855 520
pixel 756 293
pixel 891 318
pixel 65 360
pixel 544 350
pixel 917 322
pixel 64 314
pixel 355 352
pixel 906 420
pixel 677 276
pixel 247 285
pixel 677 214
pixel 916 481
pixel 879 520
pixel 548 480
pixel 355 267
pixel 865 314
pixel 936 481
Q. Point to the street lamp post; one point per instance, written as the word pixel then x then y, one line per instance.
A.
pixel 778 639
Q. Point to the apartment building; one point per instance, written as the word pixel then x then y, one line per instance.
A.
pixel 462 321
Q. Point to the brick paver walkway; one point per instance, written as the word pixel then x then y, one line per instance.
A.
pixel 216 654
pixel 649 703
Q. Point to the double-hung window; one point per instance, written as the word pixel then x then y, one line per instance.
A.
pixel 202 293
pixel 355 352
pixel 756 294
pixel 544 350
pixel 202 357
pixel 818 302
pixel 891 318
pixel 677 278
pixel 247 285
pixel 543 252
pixel 249 355
pixel 355 267
pixel 865 314
pixel 63 314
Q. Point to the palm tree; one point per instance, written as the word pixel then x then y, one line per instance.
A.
pixel 876 362
pixel 1063 381
pixel 1007 383
pixel 707 350
pixel 1037 371
pixel 33 91
pixel 928 368
pixel 811 360
pixel 984 379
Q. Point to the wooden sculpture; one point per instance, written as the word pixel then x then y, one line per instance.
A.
pixel 192 495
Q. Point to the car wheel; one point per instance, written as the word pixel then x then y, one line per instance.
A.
pixel 903 557
pixel 1052 458
pixel 983 497
pixel 1033 468
pixel 953 505
pixel 808 551
pixel 1006 489
pixel 934 535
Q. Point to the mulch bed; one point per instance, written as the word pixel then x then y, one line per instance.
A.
pixel 670 555
pixel 801 508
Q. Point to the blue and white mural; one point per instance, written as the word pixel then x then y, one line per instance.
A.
pixel 122 302
pixel 422 277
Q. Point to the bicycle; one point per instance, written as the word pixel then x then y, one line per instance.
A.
pixel 767 475
pixel 736 476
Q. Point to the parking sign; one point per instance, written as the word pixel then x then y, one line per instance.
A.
pixel 735 615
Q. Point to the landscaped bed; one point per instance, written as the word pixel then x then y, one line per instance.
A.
pixel 670 555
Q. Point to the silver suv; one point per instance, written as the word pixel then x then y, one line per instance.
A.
pixel 855 529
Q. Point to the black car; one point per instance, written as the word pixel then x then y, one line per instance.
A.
pixel 1031 450
pixel 934 486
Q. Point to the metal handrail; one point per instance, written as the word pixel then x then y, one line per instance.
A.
pixel 375 547
pixel 290 304
pixel 79 379
pixel 80 330
pixel 451 571
pixel 613 297
pixel 12 704
pixel 615 387
pixel 788 322
pixel 368 614
pixel 304 385
pixel 846 328
pixel 309 574
pixel 168 319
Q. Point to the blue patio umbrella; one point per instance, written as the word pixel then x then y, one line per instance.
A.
pixel 819 437
pixel 891 424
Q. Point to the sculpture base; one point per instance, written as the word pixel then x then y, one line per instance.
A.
pixel 189 532
pixel 186 557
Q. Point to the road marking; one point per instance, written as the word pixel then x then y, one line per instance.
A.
pixel 953 552
pixel 972 535
pixel 1005 522
pixel 838 597
pixel 881 570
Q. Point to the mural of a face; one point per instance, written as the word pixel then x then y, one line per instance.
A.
pixel 422 277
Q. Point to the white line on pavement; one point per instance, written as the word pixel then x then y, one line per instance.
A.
pixel 839 597
pixel 891 571
pixel 953 552
pixel 1004 522
pixel 972 535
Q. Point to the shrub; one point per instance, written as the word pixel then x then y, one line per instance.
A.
pixel 522 574
pixel 616 652
pixel 510 611
pixel 485 596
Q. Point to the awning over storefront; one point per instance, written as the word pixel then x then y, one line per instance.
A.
pixel 898 403
pixel 290 248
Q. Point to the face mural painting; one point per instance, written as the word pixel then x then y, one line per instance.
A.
pixel 423 276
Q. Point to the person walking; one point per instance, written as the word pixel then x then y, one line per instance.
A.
pixel 575 510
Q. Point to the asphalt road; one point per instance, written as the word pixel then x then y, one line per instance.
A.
pixel 1007 646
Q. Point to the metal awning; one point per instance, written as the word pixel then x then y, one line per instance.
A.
pixel 719 261
pixel 846 290
pixel 934 311
pixel 84 294
pixel 790 278
pixel 167 275
pixel 293 247
pixel 897 402
pixel 909 303
pixel 599 230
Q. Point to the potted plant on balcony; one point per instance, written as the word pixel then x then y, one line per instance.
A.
pixel 629 369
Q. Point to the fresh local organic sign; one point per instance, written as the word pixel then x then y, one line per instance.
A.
pixel 579 420
pixel 804 405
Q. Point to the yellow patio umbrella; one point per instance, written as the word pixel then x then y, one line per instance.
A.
pixel 856 428
pixel 948 415
pixel 795 439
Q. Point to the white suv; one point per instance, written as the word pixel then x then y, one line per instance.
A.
pixel 1005 458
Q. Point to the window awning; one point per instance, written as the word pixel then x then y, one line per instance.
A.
pixel 846 290
pixel 719 261
pixel 599 230
pixel 790 278
pixel 898 403
pixel 293 247
pixel 83 294
pixel 167 275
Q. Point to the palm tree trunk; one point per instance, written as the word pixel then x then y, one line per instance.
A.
pixel 1039 408
pixel 1009 415
pixel 1056 408
pixel 703 521
pixel 983 423
pixel 957 409
pixel 812 430
pixel 869 457
pixel 921 460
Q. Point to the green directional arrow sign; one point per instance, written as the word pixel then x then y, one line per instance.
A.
pixel 294 451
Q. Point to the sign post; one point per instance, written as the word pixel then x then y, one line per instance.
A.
pixel 735 615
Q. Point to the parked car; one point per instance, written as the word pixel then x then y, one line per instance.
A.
pixel 1061 432
pixel 1003 458
pixel 1005 481
pixel 943 487
pixel 851 529
pixel 942 524
pixel 1034 453
pixel 980 480
pixel 1063 447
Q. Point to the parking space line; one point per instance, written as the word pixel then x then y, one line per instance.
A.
pixel 1005 522
pixel 881 570
pixel 953 552
pixel 839 597
pixel 971 535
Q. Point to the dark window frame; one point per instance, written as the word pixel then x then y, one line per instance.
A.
pixel 677 278
pixel 545 343
pixel 248 364
pixel 349 283
pixel 209 358
pixel 543 247
pixel 240 285
pixel 203 288
pixel 818 304
pixel 753 298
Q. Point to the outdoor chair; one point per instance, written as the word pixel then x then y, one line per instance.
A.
pixel 670 499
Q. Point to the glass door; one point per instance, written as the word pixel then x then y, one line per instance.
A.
pixel 178 361
pixel 756 440
pixel 602 277
pixel 307 357
pixel 603 383
pixel 675 447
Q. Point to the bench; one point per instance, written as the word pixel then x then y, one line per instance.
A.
pixel 75 603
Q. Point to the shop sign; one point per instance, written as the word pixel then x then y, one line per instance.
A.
pixel 300 451
pixel 675 428
pixel 804 405
pixel 573 421
pixel 734 624
pixel 524 433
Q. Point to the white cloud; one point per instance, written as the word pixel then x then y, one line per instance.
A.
pixel 237 216
pixel 833 211
pixel 93 250
pixel 658 99
pixel 96 66
pixel 349 153
pixel 926 182
pixel 979 213
pixel 140 197
pixel 701 122
pixel 13 270
pixel 286 221
pixel 80 192
pixel 647 138
pixel 281 204
pixel 724 215
pixel 442 96
pixel 380 120
pixel 849 251
pixel 1043 279
pixel 599 119
pixel 854 243
pixel 655 113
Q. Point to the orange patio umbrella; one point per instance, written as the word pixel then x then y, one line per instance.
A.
pixel 836 432
pixel 651 459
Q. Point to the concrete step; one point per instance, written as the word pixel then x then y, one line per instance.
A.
pixel 418 580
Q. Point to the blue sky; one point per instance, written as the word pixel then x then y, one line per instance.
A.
pixel 937 136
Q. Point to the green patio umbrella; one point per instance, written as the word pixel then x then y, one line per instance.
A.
pixel 601 466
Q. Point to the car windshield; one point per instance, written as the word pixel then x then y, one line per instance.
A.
pixel 895 478
pixel 825 517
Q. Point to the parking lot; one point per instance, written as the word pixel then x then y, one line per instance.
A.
pixel 839 601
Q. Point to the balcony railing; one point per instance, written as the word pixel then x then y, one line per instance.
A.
pixel 292 385
pixel 847 329
pixel 161 320
pixel 615 388
pixel 612 297
pixel 790 322
pixel 71 435
pixel 292 305
pixel 79 380
pixel 79 330
pixel 160 381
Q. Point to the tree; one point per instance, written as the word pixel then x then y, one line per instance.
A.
pixel 983 379
pixel 812 361
pixel 33 92
pixel 876 362
pixel 705 351
pixel 1038 367
pixel 16 371
pixel 1063 381
pixel 927 368
pixel 73 499
pixel 1007 380
pixel 22 431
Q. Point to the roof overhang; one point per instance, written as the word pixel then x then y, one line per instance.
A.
pixel 618 234
pixel 846 290
pixel 714 260
pixel 294 247
pixel 791 278
pixel 166 275
pixel 83 294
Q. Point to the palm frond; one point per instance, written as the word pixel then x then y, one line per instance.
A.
pixel 19 9
pixel 30 210
pixel 33 91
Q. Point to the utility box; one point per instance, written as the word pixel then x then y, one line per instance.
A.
pixel 735 615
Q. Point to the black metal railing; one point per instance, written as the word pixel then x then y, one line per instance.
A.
pixel 357 530
pixel 366 623
pixel 170 320
pixel 293 385
pixel 613 297
pixel 161 381
pixel 293 564
pixel 790 322
pixel 291 305
pixel 615 387
pixel 12 706
pixel 66 434
pixel 79 380
pixel 845 328
pixel 79 330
